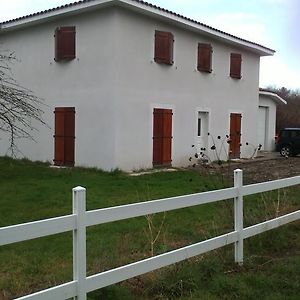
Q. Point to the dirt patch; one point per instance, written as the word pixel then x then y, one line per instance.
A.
pixel 265 168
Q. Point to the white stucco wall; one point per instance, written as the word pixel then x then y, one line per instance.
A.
pixel 86 83
pixel 270 104
pixel 114 85
pixel 144 84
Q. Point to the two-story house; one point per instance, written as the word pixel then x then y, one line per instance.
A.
pixel 130 85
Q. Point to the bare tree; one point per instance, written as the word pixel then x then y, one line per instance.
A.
pixel 19 107
pixel 287 115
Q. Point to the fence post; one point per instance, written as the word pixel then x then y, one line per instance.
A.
pixel 238 217
pixel 79 242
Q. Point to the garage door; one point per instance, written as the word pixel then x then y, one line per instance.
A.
pixel 262 127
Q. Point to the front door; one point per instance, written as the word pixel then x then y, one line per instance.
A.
pixel 235 135
pixel 162 137
pixel 64 138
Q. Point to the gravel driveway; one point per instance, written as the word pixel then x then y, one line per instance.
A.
pixel 267 166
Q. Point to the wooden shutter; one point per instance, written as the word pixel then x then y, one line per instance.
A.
pixel 59 137
pixel 65 43
pixel 162 137
pixel 157 136
pixel 235 65
pixel 163 52
pixel 64 142
pixel 235 135
pixel 204 57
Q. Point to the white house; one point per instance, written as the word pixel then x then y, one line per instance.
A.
pixel 130 85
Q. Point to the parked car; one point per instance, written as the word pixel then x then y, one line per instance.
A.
pixel 288 141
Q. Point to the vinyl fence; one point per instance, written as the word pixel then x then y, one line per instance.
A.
pixel 80 219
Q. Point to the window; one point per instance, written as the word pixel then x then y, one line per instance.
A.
pixel 163 50
pixel 235 65
pixel 202 124
pixel 65 43
pixel 204 57
pixel 199 125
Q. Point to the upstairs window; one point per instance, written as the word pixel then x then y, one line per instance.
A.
pixel 235 65
pixel 204 57
pixel 65 43
pixel 163 52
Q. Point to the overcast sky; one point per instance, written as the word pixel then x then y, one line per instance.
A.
pixel 272 23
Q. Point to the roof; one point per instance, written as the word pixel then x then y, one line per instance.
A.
pixel 137 5
pixel 273 96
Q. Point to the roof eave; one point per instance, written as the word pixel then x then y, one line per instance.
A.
pixel 143 8
pixel 51 14
pixel 273 96
pixel 191 25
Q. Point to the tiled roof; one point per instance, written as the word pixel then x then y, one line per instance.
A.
pixel 197 22
pixel 139 2
pixel 46 11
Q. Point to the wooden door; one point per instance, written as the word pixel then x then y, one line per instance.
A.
pixel 162 137
pixel 64 138
pixel 235 135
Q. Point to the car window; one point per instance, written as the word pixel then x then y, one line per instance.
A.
pixel 284 134
pixel 294 134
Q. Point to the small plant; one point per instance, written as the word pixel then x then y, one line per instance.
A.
pixel 221 151
pixel 255 149
pixel 154 231
pixel 219 148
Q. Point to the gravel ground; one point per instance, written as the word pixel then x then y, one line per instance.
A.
pixel 267 166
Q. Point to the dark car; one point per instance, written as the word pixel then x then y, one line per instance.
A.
pixel 288 141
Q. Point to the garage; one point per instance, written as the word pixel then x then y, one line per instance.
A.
pixel 266 119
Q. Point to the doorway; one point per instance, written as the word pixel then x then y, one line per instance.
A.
pixel 162 137
pixel 235 135
pixel 64 137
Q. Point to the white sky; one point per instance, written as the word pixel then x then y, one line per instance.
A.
pixel 272 23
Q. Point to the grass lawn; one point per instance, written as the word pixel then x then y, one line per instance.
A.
pixel 33 191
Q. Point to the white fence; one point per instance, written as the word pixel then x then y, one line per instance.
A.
pixel 81 219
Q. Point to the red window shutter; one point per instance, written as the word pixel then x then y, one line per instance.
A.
pixel 167 137
pixel 65 46
pixel 64 143
pixel 59 137
pixel 235 65
pixel 69 137
pixel 157 136
pixel 163 52
pixel 204 57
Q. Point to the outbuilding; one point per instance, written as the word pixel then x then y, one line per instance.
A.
pixel 266 127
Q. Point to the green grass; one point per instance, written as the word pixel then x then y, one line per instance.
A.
pixel 32 191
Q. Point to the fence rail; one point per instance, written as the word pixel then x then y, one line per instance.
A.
pixel 81 219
